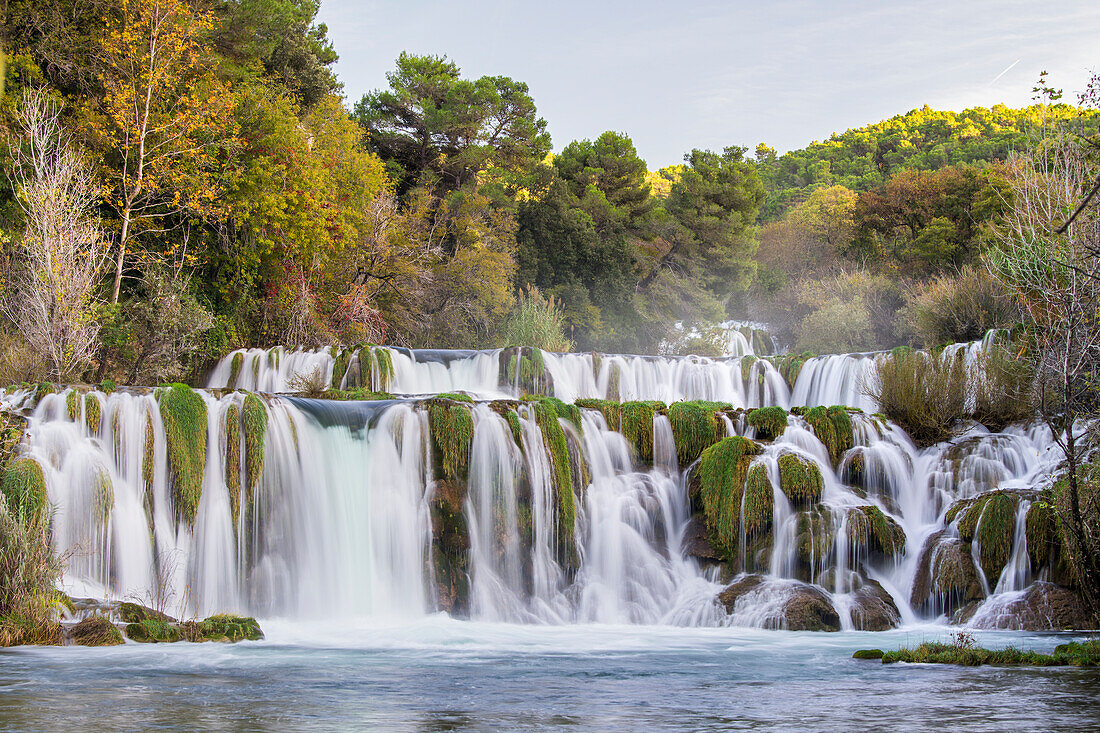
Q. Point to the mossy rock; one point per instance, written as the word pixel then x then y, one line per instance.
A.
pixel 452 428
pixel 342 358
pixel 553 437
pixel 816 536
pixel 718 484
pixel 746 367
pixel 183 412
pixel 871 608
pixel 152 631
pixel 868 654
pixel 833 427
pixel 135 613
pixel 72 404
pixel 990 519
pixel 1042 539
pixel 869 528
pixel 770 422
pixel 254 427
pixel 24 489
pixel 229 628
pixel 800 479
pixel 759 500
pixel 42 389
pixel 95 631
pixel 695 427
pixel 611 411
pixel 636 419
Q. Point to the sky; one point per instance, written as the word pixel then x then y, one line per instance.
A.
pixel 682 75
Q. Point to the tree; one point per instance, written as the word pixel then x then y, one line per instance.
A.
pixel 1054 273
pixel 50 294
pixel 432 127
pixel 610 165
pixel 714 206
pixel 163 116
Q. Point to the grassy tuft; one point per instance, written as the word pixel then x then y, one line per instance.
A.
pixel 721 477
pixel 695 427
pixel 233 460
pixel 24 488
pixel 770 422
pixel 868 527
pixel 184 414
pixel 924 394
pixel 800 479
pixel 758 501
pixel 452 429
pixel 254 426
pixel 235 365
pixel 92 412
pixel 637 426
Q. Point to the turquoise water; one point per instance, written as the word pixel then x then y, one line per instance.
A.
pixel 437 674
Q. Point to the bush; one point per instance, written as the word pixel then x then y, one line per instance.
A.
pixel 537 322
pixel 924 394
pixel 309 384
pixel 955 308
pixel 1002 387
pixel 29 572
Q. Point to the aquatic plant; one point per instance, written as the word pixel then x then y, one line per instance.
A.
pixel 770 422
pixel 229 628
pixel 870 528
pixel 758 501
pixel 800 479
pixel 1078 654
pixel 233 460
pixel 183 412
pixel 254 427
pixel 92 412
pixel 695 427
pixel 72 405
pixel 153 631
pixel 235 364
pixel 452 428
pixel 636 423
pixel 24 489
pixel 612 411
pixel 342 358
pixel 721 476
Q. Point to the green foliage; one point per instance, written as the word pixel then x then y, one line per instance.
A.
pixel 342 358
pixel 770 422
pixel 375 360
pixel 183 412
pixel 636 425
pixel 254 425
pixel 611 411
pixel 24 489
pixel 107 386
pixel 991 520
pixel 153 631
pixel 958 307
pixel 233 460
pixel 92 412
pixel 537 322
pixel 235 369
pixel 1039 529
pixel 1077 654
pixel 721 476
pixel 759 500
pixel 230 628
pixel 96 631
pixel 546 415
pixel 72 404
pixel 695 427
pixel 746 367
pixel 800 479
pixel 452 426
pixel 868 654
pixel 924 394
pixel 869 528
pixel 1002 386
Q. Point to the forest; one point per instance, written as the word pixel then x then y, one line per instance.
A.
pixel 231 196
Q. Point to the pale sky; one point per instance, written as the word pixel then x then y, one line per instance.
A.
pixel 692 74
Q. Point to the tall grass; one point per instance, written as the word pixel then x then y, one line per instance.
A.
pixel 538 322
pixel 29 571
pixel 924 393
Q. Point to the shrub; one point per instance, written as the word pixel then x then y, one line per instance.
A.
pixel 29 572
pixel 24 488
pixel 924 394
pixel 537 322
pixel 1002 388
pixel 309 384
pixel 957 307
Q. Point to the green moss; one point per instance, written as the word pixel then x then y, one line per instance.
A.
pixel 636 422
pixel 24 488
pixel 570 413
pixel 995 533
pixel 452 428
pixel 1086 654
pixel 233 460
pixel 770 422
pixel 356 395
pixel 254 426
pixel 148 455
pixel 375 360
pixel 152 631
pixel 695 427
pixel 800 479
pixel 235 364
pixel 854 469
pixel 758 501
pixel 103 498
pixel 107 386
pixel 340 366
pixel 868 527
pixel 614 378
pixel 183 412
pixel 43 389
pixel 456 396
pixel 721 479
pixel 868 654
pixel 255 370
pixel 1039 529
pixel 229 628
pixel 833 427
pixel 612 411
pixel 92 412
pixel 512 417
pixel 842 429
pixel 746 367
pixel 72 404
pixel 554 437
pixel 815 535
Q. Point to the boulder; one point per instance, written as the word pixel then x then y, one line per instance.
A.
pixel 780 604
pixel 946 577
pixel 1042 607
pixel 873 609
pixel 135 613
pixel 696 543
pixel 94 631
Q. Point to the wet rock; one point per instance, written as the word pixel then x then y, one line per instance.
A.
pixel 873 609
pixel 135 613
pixel 94 631
pixel 696 543
pixel 868 654
pixel 781 604
pixel 946 577
pixel 230 628
pixel 1042 607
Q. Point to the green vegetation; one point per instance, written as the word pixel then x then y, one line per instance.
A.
pixel 452 428
pixel 800 479
pixel 868 654
pixel 72 404
pixel 24 489
pixel 770 422
pixel 695 427
pixel 183 412
pixel 537 323
pixel 721 476
pixel 342 358
pixel 636 421
pixel 254 426
pixel 868 527
pixel 833 427
pixel 990 519
pixel 546 415
pixel 1076 654
pixel 96 631
pixel 758 502
pixel 153 631
pixel 235 369
pixel 230 628
pixel 29 573
pixel 92 412
pixel 924 394
pixel 611 411
pixel 233 460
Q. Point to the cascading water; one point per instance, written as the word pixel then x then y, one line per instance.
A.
pixel 365 508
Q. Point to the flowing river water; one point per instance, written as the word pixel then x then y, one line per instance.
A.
pixel 396 598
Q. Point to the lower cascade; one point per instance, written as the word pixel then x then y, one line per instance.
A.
pixel 541 511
